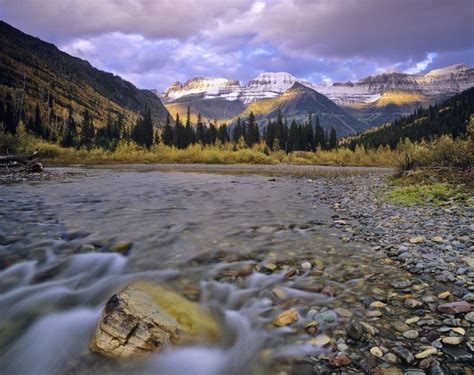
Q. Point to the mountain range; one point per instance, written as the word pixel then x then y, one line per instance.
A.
pixel 368 102
pixel 37 72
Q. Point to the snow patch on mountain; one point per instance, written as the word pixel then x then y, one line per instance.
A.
pixel 445 81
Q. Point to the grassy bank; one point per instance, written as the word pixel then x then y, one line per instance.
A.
pixel 435 172
pixel 230 153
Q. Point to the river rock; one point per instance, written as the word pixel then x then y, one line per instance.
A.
pixel 340 361
pixel 404 354
pixel 355 330
pixel 425 353
pixel 469 317
pixel 455 307
pixel 451 340
pixel 286 318
pixel 376 352
pixel 145 317
pixel 410 334
pixel 122 247
pixel 417 240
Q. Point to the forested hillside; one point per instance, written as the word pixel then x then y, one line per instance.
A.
pixel 450 117
pixel 36 73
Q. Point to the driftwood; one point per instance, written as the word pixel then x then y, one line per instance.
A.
pixel 20 163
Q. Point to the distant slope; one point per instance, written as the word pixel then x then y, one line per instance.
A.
pixel 68 80
pixel 388 107
pixel 210 109
pixel 450 117
pixel 297 102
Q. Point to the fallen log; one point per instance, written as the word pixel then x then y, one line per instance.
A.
pixel 20 163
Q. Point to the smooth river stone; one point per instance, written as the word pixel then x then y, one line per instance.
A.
pixel 145 318
pixel 455 307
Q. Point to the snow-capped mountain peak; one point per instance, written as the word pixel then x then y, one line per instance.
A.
pixel 204 86
pixel 453 69
pixel 440 82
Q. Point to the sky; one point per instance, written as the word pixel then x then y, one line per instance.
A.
pixel 154 43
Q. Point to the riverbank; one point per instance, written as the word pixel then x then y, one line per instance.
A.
pixel 304 268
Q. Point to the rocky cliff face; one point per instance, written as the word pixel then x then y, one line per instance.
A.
pixel 446 82
pixel 373 100
pixel 434 85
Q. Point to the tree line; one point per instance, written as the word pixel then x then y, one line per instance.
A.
pixel 277 135
pixel 450 117
pixel 81 132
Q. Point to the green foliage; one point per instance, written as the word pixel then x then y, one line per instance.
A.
pixel 448 118
pixel 435 194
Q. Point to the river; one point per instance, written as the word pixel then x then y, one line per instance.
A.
pixel 189 231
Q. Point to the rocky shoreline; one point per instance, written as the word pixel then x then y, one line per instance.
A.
pixel 375 288
pixel 436 246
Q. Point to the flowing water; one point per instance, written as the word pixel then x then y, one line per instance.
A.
pixel 205 235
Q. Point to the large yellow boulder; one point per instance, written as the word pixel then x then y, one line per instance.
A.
pixel 145 317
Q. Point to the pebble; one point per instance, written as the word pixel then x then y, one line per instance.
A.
pixel 343 313
pixel 459 330
pixel 340 361
pixel 306 266
pixel 400 326
pixel 355 330
pixel 452 340
pixel 410 334
pixel 404 354
pixel 444 295
pixel 425 353
pixel 469 317
pixel 373 313
pixel 122 247
pixel 437 239
pixel 412 320
pixel 376 352
pixel 286 318
pixel 342 347
pixel 377 305
pixel 455 307
pixel 269 266
pixel 321 340
pixel 391 358
pixel 468 297
pixel 417 239
pixel 412 303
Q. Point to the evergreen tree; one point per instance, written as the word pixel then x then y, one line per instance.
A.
pixel 252 132
pixel 2 112
pixel 211 134
pixel 270 134
pixel 38 126
pixel 332 139
pixel 147 129
pixel 319 141
pixel 9 117
pixel 189 132
pixel 222 134
pixel 70 131
pixel 238 131
pixel 167 135
pixel 87 130
pixel 293 137
pixel 178 134
pixel 200 131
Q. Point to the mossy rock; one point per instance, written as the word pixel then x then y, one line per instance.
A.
pixel 145 317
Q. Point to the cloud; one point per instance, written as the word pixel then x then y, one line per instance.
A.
pixel 153 43
pixel 179 19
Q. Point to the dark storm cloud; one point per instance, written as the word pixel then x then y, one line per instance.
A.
pixel 153 43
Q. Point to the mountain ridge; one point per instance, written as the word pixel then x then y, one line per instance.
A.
pixel 66 80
